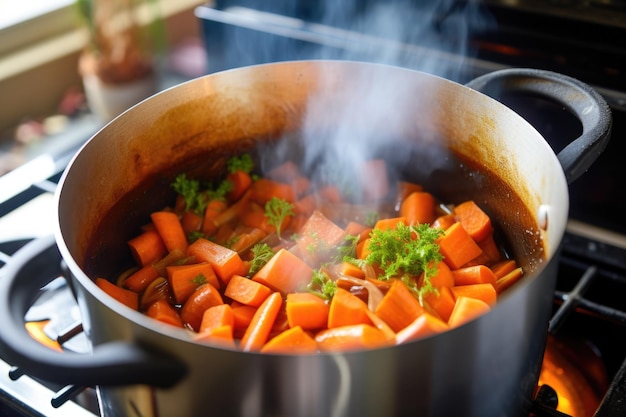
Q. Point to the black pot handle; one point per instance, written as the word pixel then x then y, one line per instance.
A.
pixel 579 98
pixel 110 364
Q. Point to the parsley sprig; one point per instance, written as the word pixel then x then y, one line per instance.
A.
pixel 276 211
pixel 321 285
pixel 261 254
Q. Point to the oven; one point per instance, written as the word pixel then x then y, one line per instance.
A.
pixel 584 369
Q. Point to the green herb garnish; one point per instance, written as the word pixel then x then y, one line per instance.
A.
pixel 276 210
pixel 322 286
pixel 190 190
pixel 261 253
pixel 240 163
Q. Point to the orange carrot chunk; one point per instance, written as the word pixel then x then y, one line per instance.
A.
pixel 317 236
pixel 477 274
pixel 423 326
pixel 263 190
pixel 346 309
pixel 442 303
pixel 399 307
pixel 246 291
pixel 217 316
pixel 221 335
pixel 147 247
pixel 242 314
pixel 457 246
pixel 204 297
pixel 306 310
pixel 484 292
pixel 225 262
pixel 164 312
pixel 127 297
pixel 262 322
pixel 502 268
pixel 185 279
pixel 467 309
pixel 474 220
pixel 284 272
pixel 170 229
pixel 509 279
pixel 418 207
pixel 241 181
pixel 351 337
pixel 293 340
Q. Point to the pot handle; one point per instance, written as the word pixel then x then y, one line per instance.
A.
pixel 112 364
pixel 579 98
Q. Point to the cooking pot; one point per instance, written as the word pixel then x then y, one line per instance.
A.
pixel 488 367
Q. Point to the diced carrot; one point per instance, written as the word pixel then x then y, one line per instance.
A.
pixel 217 316
pixel 127 297
pixel 147 247
pixel 204 297
pixel 140 279
pixel 170 229
pixel 191 221
pixel 474 220
pixel 305 205
pixel 264 189
pixel 457 246
pixel 246 291
pixel 296 223
pixel 255 217
pixel 483 292
pixel 443 277
pixel 284 272
pixel 374 179
pixel 444 221
pixel 399 307
pixel 442 302
pixel 509 279
pixel 404 188
pixel 423 326
pixel 293 340
pixel 185 279
pixel 306 310
pixel 225 262
pixel 243 315
pixel 502 268
pixel 241 181
pixel 346 309
pixel 164 312
pixel 467 309
pixel 350 269
pixel 418 208
pixel 351 337
pixel 380 324
pixel 221 335
pixel 258 330
pixel 390 223
pixel 477 274
pixel 213 210
pixel 247 240
pixel 355 229
pixel 491 252
pixel 362 248
pixel 317 237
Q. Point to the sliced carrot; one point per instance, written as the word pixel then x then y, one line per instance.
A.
pixel 170 229
pixel 444 221
pixel 255 217
pixel 258 330
pixel 217 316
pixel 502 268
pixel 418 207
pixel 374 179
pixel 127 297
pixel 509 279
pixel 484 292
pixel 243 315
pixel 467 309
pixel 284 272
pixel 390 223
pixel 191 221
pixel 293 340
pixel 350 269
pixel 362 248
pixel 185 279
pixel 346 309
pixel 305 205
pixel 241 181
pixel 317 237
pixel 221 335
pixel 457 246
pixel 474 220
pixel 247 240
pixel 399 307
pixel 477 274
pixel 306 310
pixel 164 312
pixel 246 291
pixel 263 190
pixel 491 253
pixel 423 326
pixel 147 247
pixel 225 262
pixel 355 229
pixel 214 209
pixel 204 297
pixel 442 302
pixel 403 189
pixel 140 279
pixel 380 324
pixel 351 337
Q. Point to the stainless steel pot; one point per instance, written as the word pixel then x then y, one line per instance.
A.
pixel 488 367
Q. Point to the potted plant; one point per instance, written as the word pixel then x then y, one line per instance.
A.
pixel 117 65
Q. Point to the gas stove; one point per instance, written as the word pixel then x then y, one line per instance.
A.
pixel 584 369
